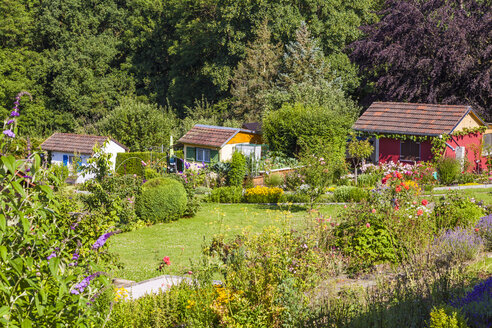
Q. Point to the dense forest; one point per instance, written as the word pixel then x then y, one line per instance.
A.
pixel 142 69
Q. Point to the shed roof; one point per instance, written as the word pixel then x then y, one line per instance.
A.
pixel 411 118
pixel 253 126
pixel 75 143
pixel 210 135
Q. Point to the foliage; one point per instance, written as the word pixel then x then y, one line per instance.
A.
pixel 293 180
pixel 193 204
pixel 254 75
pixel 161 200
pixel 368 180
pixel 136 163
pixel 475 305
pixel 455 210
pixel 262 194
pixel 446 317
pixel 404 66
pixel 45 253
pixel 139 126
pixel 237 171
pixel 99 164
pixel 458 245
pixel 448 170
pixel 484 230
pixel 274 180
pixel 227 195
pixel 344 194
pixel 294 126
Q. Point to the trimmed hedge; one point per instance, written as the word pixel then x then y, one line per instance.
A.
pixel 161 200
pixel 350 194
pixel 226 195
pixel 132 162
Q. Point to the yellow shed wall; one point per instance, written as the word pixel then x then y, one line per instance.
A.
pixel 243 137
pixel 468 122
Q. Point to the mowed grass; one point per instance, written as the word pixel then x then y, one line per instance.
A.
pixel 479 194
pixel 141 251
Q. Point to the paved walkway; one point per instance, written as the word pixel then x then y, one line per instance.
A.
pixel 464 187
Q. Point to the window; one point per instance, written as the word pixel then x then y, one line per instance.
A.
pixel 487 144
pixel 409 151
pixel 203 155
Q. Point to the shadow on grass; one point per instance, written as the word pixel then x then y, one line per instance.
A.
pixel 291 208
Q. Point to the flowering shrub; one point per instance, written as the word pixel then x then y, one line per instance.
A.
pixel 458 245
pixel 422 173
pixel 455 210
pixel 261 194
pixel 446 317
pixel 484 229
pixel 476 305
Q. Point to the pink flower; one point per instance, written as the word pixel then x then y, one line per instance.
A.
pixel 190 272
pixel 476 229
pixel 373 210
pixel 425 202
pixel 368 225
pixel 420 212
pixel 143 163
pixel 344 206
pixel 166 260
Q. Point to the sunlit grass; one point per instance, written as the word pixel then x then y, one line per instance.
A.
pixel 141 251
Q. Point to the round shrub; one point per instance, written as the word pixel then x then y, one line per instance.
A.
pixel 456 210
pixel 274 180
pixel 448 170
pixel 162 200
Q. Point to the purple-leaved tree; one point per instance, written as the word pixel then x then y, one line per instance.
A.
pixel 433 51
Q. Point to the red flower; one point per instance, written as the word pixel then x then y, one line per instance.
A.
pixel 166 260
pixel 368 225
pixel 425 202
pixel 373 210
pixel 398 175
pixel 398 189
pixel 420 212
pixel 476 229
pixel 406 187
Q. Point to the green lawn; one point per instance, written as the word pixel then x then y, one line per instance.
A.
pixel 142 250
pixel 480 194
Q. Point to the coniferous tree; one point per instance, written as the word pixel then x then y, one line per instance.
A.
pixel 255 75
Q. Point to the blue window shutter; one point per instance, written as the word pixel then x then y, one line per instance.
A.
pixel 65 160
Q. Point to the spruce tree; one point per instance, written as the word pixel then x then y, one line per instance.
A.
pixel 255 75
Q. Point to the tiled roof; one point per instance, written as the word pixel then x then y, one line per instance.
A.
pixel 208 135
pixel 74 143
pixel 409 118
pixel 253 126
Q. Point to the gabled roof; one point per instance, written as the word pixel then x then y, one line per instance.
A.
pixel 210 135
pixel 75 143
pixel 253 126
pixel 413 119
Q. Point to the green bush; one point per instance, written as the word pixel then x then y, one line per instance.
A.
pixel 345 194
pixel 448 170
pixel 455 210
pixel 368 180
pixel 293 180
pixel 162 200
pixel 295 197
pixel 238 170
pixel 226 195
pixel 58 172
pixel 131 163
pixel 274 180
pixel 446 317
pixel 151 174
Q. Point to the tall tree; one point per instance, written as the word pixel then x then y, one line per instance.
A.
pixel 255 75
pixel 435 51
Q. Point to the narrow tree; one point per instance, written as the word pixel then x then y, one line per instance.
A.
pixel 359 150
pixel 255 74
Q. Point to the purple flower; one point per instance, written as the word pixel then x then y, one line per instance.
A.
pixel 75 256
pixel 14 113
pixel 9 133
pixel 81 286
pixel 52 255
pixel 27 177
pixel 476 304
pixel 102 240
pixel 10 122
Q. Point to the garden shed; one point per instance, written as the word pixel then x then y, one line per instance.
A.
pixel 209 143
pixel 410 132
pixel 63 148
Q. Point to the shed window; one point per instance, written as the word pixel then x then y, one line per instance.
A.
pixel 203 155
pixel 487 144
pixel 409 151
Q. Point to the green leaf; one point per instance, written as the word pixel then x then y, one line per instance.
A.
pixel 3 222
pixel 54 266
pixel 39 307
pixel 18 188
pixel 4 310
pixel 26 323
pixel 9 162
pixel 25 224
pixel 3 252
